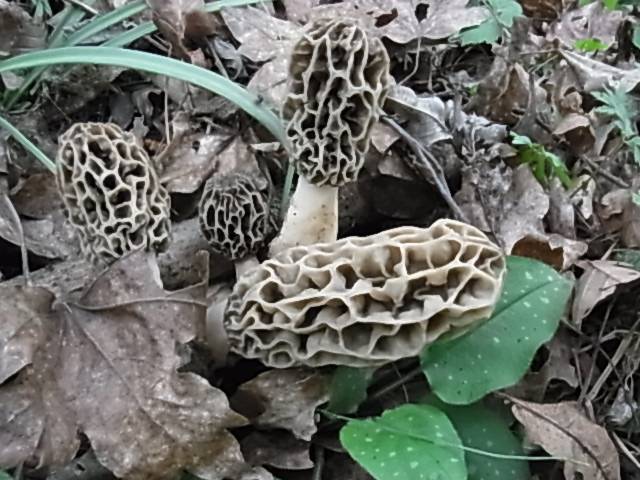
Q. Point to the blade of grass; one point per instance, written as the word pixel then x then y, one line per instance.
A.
pixel 70 16
pixel 157 64
pixel 27 144
pixel 147 28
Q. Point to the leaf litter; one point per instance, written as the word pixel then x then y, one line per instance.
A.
pixel 97 366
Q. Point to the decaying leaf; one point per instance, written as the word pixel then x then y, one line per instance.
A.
pixel 564 431
pixel 591 21
pixel 277 449
pixel 18 32
pixel 179 20
pixel 284 399
pixel 599 281
pixel 267 40
pixel 623 214
pixel 398 19
pixel 107 367
pixel 38 196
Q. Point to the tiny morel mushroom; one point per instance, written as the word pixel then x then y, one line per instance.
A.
pixel 365 301
pixel 111 192
pixel 339 79
pixel 235 217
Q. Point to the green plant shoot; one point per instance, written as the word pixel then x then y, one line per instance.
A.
pixel 543 163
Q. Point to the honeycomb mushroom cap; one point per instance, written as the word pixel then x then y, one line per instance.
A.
pixel 339 79
pixel 365 301
pixel 111 192
pixel 235 214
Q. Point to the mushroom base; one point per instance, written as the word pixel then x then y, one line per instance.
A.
pixel 312 217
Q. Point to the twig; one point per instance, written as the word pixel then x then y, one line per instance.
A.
pixel 626 451
pixel 395 384
pixel 598 170
pixel 430 164
pixel 319 460
pixel 622 348
pixel 84 6
pixel 416 63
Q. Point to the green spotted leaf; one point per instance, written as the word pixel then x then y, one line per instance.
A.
pixel 498 353
pixel 349 388
pixel 411 442
pixel 486 429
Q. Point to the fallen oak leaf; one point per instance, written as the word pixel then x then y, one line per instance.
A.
pixel 284 399
pixel 108 367
pixel 599 281
pixel 563 431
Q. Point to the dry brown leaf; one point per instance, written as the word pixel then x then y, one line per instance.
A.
pixel 277 449
pixel 107 366
pixel 264 38
pixel 623 214
pixel 563 431
pixel 18 32
pixel 594 75
pixel 298 10
pixel 599 281
pixel 285 399
pixel 552 249
pixel 178 20
pixel 398 20
pixel 37 196
pixel 591 21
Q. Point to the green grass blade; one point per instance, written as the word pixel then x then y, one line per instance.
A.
pixel 157 64
pixel 105 21
pixel 27 144
pixel 147 28
pixel 70 16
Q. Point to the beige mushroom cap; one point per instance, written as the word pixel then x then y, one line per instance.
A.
pixel 339 79
pixel 111 193
pixel 365 301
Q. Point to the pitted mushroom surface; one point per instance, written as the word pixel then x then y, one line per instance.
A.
pixel 111 192
pixel 339 78
pixel 235 214
pixel 338 81
pixel 365 301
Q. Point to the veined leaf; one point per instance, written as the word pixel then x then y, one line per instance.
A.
pixel 498 353
pixel 411 442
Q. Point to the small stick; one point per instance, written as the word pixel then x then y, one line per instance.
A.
pixel 422 154
pixel 317 471
pixel 84 6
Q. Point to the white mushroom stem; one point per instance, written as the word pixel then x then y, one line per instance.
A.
pixel 312 217
pixel 245 264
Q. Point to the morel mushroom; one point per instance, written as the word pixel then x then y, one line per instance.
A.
pixel 339 79
pixel 235 217
pixel 111 192
pixel 365 301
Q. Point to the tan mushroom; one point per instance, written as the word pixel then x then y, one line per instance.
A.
pixel 111 193
pixel 235 217
pixel 338 81
pixel 365 301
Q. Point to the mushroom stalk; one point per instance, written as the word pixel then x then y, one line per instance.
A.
pixel 312 217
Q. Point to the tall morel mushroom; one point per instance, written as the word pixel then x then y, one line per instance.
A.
pixel 339 79
pixel 365 301
pixel 111 193
pixel 235 217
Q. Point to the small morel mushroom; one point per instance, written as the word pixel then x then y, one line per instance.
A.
pixel 111 193
pixel 235 217
pixel 339 79
pixel 365 301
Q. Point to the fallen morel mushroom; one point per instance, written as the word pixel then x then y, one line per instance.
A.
pixel 235 217
pixel 111 192
pixel 339 79
pixel 365 301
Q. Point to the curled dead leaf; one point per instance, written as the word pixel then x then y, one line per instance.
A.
pixel 107 366
pixel 285 399
pixel 564 431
